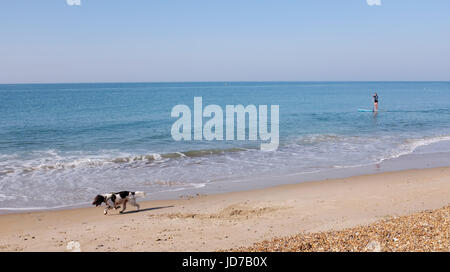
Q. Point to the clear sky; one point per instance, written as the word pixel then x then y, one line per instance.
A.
pixel 223 40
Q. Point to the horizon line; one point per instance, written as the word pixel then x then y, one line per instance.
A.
pixel 220 81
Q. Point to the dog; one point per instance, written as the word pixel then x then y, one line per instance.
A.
pixel 113 200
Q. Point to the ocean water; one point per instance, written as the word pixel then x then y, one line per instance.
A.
pixel 61 144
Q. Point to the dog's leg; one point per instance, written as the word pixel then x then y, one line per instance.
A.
pixel 124 206
pixel 106 209
pixel 133 202
pixel 117 204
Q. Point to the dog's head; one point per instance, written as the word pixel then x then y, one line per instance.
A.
pixel 99 199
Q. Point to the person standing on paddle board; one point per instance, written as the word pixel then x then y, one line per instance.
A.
pixel 375 102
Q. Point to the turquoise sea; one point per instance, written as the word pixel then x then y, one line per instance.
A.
pixel 61 144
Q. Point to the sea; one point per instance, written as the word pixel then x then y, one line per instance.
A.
pixel 61 144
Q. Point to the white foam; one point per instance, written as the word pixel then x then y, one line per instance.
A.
pixel 411 145
pixel 43 208
pixel 74 177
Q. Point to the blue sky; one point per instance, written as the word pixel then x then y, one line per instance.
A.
pixel 223 40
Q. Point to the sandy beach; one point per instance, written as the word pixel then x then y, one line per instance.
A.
pixel 232 220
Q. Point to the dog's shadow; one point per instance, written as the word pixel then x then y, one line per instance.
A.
pixel 144 210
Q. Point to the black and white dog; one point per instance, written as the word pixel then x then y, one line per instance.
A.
pixel 113 200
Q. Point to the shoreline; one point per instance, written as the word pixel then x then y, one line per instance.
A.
pixel 411 161
pixel 231 220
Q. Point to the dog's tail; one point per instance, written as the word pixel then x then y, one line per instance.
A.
pixel 139 194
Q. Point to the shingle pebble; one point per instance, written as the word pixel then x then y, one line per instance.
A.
pixel 425 231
